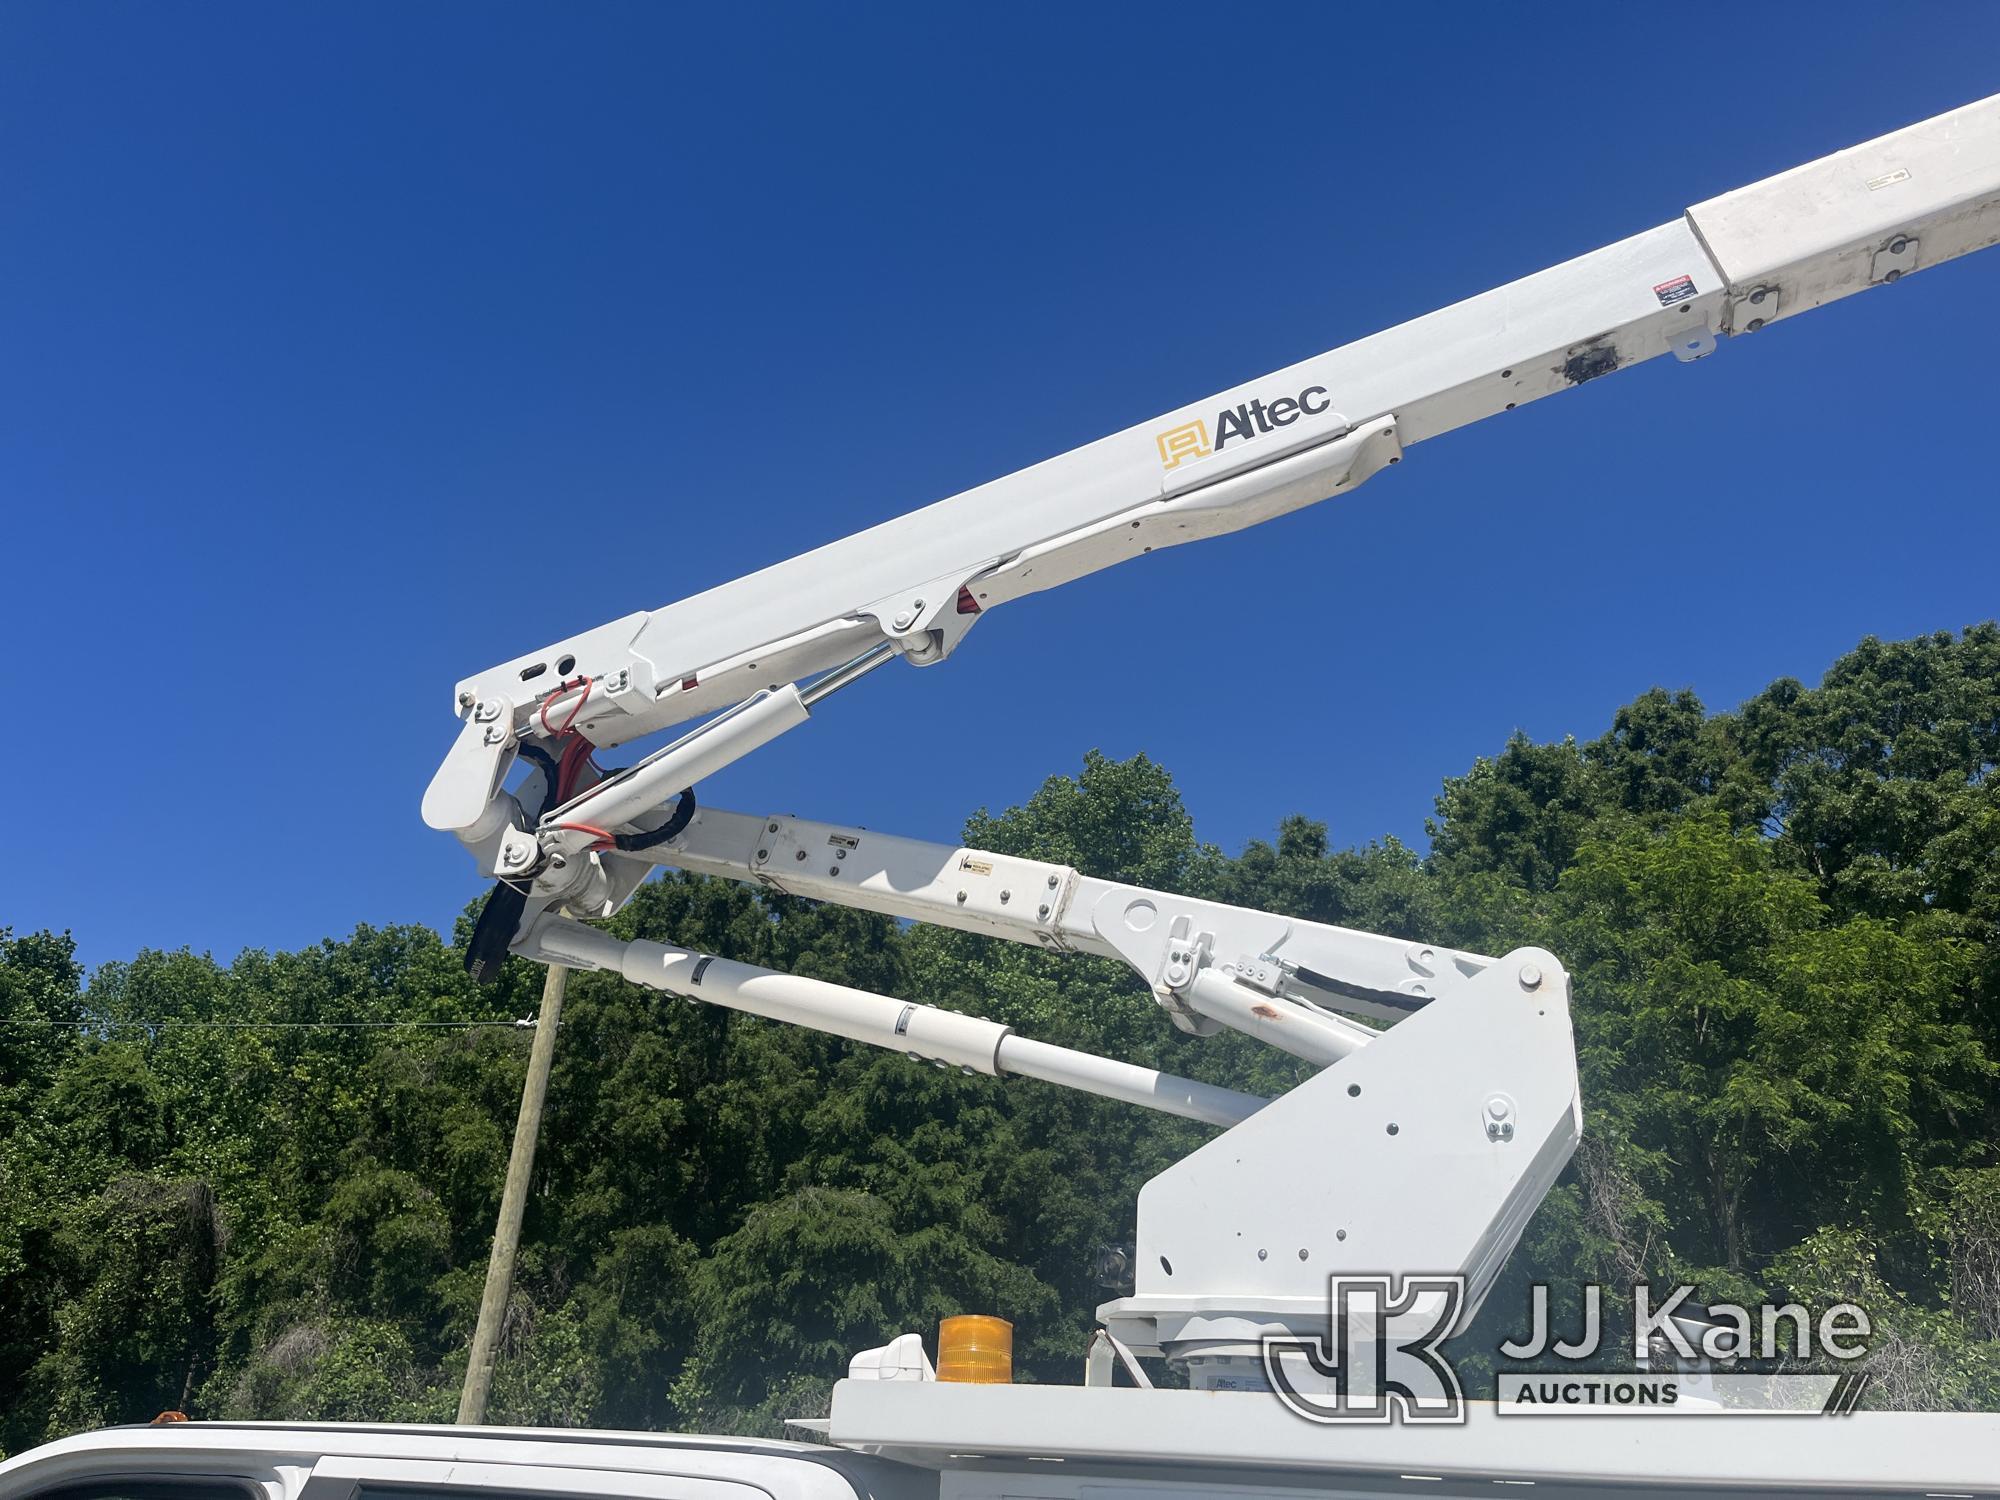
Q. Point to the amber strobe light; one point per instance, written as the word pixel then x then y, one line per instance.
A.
pixel 976 1349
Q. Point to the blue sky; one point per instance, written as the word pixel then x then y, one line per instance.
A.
pixel 346 349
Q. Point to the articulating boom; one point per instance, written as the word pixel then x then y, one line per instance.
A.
pixel 1472 1093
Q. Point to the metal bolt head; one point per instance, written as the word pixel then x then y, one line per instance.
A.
pixel 1052 882
pixel 515 854
pixel 800 855
pixel 773 827
pixel 1757 297
pixel 762 855
pixel 961 898
pixel 1506 1130
pixel 1492 1130
pixel 465 700
pixel 1005 897
pixel 1042 912
pixel 1263 1255
pixel 1898 245
pixel 1531 977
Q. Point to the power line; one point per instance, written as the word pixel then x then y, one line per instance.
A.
pixel 525 1024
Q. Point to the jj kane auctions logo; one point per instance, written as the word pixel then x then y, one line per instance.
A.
pixel 1190 440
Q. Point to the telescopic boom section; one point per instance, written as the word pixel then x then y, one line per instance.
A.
pixel 1733 265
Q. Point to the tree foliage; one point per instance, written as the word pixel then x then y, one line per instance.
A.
pixel 1781 924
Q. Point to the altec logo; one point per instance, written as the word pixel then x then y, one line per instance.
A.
pixel 1190 440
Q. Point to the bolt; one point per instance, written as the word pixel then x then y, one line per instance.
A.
pixel 1755 324
pixel 1005 897
pixel 495 734
pixel 771 827
pixel 1304 1254
pixel 515 854
pixel 840 854
pixel 465 700
pixel 1531 977
pixel 1898 245
pixel 1895 275
pixel 1507 1130
pixel 1340 1234
pixel 834 871
pixel 558 862
pixel 800 855
pixel 1052 882
pixel 1492 1130
pixel 1263 1255
pixel 1042 912
pixel 961 898
pixel 762 855
pixel 1757 297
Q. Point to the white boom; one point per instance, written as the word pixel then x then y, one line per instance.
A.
pixel 1424 1146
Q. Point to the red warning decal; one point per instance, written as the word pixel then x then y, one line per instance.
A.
pixel 1678 290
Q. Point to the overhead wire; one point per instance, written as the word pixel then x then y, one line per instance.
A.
pixel 526 1022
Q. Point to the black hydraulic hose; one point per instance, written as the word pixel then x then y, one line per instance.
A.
pixel 675 825
pixel 546 764
pixel 1387 999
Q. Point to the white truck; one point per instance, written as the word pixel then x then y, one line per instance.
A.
pixel 1445 1101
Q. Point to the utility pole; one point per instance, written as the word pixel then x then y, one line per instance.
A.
pixel 513 1204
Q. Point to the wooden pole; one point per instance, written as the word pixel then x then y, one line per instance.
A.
pixel 513 1204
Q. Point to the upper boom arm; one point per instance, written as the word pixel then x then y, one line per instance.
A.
pixel 1731 265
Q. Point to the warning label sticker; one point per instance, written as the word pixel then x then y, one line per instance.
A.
pixel 1678 290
